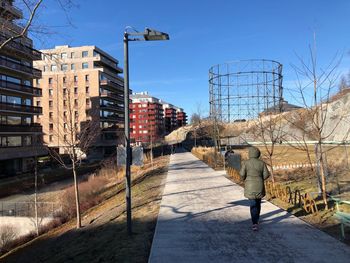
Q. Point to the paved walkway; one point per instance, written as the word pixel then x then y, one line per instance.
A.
pixel 205 218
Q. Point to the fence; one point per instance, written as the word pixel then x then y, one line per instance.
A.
pixel 27 209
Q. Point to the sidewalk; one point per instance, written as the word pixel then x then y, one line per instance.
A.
pixel 204 217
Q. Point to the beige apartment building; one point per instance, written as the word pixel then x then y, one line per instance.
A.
pixel 20 137
pixel 80 85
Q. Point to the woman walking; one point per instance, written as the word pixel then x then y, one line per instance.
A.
pixel 253 173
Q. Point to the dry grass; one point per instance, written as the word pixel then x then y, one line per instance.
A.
pixel 103 237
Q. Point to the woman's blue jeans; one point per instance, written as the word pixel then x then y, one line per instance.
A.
pixel 255 207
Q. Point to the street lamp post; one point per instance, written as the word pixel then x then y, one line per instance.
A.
pixel 147 35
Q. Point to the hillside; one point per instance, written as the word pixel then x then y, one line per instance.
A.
pixel 292 126
pixel 103 237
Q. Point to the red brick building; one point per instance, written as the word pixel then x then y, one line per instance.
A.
pixel 170 121
pixel 146 119
pixel 181 117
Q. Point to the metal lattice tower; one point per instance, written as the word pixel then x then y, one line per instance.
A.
pixel 241 90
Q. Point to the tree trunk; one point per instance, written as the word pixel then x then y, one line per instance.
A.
pixel 36 195
pixel 76 190
pixel 323 177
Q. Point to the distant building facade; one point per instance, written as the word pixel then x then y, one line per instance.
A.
pixel 181 117
pixel 20 137
pixel 146 119
pixel 151 118
pixel 81 83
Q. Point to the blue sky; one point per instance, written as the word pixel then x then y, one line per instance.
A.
pixel 202 34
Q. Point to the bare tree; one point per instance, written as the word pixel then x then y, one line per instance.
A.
pixel 27 24
pixel 75 137
pixel 269 131
pixel 315 87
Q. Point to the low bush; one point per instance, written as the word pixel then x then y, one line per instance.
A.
pixel 8 234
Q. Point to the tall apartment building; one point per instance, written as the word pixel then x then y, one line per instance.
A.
pixel 146 119
pixel 80 84
pixel 181 117
pixel 170 120
pixel 20 138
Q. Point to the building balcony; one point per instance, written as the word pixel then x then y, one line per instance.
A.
pixel 19 108
pixel 110 95
pixel 10 27
pixel 112 129
pixel 22 152
pixel 112 118
pixel 112 107
pixel 8 9
pixel 34 128
pixel 19 88
pixel 104 62
pixel 21 49
pixel 19 68
pixel 108 84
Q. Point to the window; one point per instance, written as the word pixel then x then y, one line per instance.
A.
pixel 65 103
pixel 84 54
pixel 87 101
pixel 65 126
pixel 50 115
pixel 50 103
pixel 72 54
pixel 27 140
pixel 85 65
pixel 27 120
pixel 50 92
pixel 38 81
pixel 27 102
pixel 72 66
pixel 65 114
pixel 87 78
pixel 11 99
pixel 64 67
pixel 76 103
pixel 51 126
pixel 64 55
pixel 53 67
pixel 64 80
pixel 75 90
pixel 75 78
pixel 54 56
pixel 14 120
pixel 50 138
pixel 86 89
pixel 14 141
pixel 46 68
pixel 65 137
pixel 50 80
pixel 38 103
pixel 64 91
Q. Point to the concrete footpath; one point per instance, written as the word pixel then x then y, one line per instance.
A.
pixel 204 217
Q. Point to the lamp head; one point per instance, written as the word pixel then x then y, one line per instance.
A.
pixel 152 35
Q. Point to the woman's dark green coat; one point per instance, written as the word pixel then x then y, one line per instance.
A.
pixel 253 173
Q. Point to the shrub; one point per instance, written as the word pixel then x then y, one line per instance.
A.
pixel 89 194
pixel 8 234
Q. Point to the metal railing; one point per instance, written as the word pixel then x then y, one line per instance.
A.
pixel 4 62
pixel 112 84
pixel 33 53
pixel 27 209
pixel 20 108
pixel 8 85
pixel 20 128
